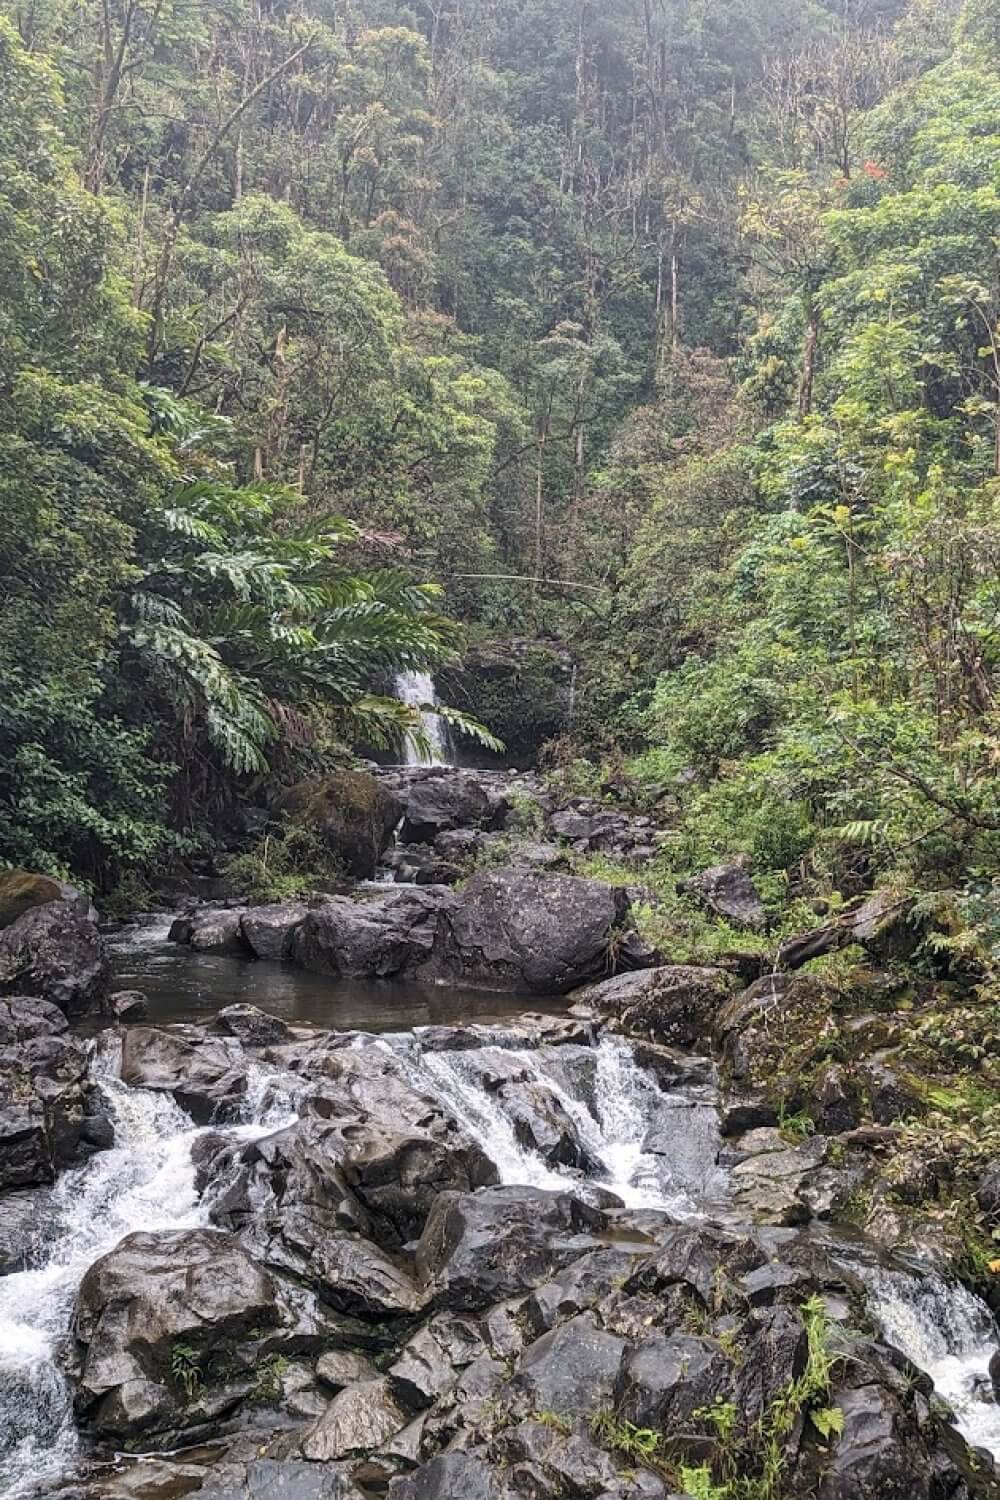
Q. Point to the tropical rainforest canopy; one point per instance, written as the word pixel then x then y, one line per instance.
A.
pixel 659 337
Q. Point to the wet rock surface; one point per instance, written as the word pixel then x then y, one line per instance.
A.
pixel 502 1260
pixel 50 1112
pixel 53 952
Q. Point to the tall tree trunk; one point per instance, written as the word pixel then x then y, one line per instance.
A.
pixel 809 360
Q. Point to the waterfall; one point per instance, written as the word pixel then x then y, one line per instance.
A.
pixel 947 1332
pixel 145 1181
pixel 417 690
pixel 651 1149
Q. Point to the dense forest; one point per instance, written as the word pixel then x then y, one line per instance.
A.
pixel 634 367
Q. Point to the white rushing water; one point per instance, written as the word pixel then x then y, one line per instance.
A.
pixel 653 1150
pixel 947 1332
pixel 417 689
pixel 145 1182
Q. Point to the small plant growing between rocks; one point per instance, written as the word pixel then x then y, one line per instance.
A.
pixel 555 1420
pixel 762 1449
pixel 642 1443
pixel 270 1374
pixel 185 1367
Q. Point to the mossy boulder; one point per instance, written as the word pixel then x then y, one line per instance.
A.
pixel 20 890
pixel 351 811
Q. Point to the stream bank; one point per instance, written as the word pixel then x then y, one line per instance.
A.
pixel 380 1234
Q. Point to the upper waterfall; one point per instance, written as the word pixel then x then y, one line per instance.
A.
pixel 417 689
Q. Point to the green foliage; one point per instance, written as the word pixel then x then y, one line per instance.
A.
pixel 288 863
pixel 270 1374
pixel 185 1367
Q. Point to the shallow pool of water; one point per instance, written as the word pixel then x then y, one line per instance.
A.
pixel 182 985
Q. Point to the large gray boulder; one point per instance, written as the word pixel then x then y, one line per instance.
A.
pixel 385 937
pixel 21 890
pixel 728 892
pixel 50 1114
pixel 440 800
pixel 479 1248
pixel 357 1421
pixel 55 953
pixel 675 1003
pixel 352 812
pixel 516 929
pixel 268 930
pixel 211 929
pixel 168 1326
pixel 207 1076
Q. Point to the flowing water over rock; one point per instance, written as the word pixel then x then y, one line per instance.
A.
pixel 651 1149
pixel 417 689
pixel 550 1107
pixel 947 1332
pixel 146 1181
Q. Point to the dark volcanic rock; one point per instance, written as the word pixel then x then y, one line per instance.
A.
pixel 211 929
pixel 667 1378
pixel 357 1421
pixel 676 1003
pixel 54 952
pixel 167 1324
pixel 573 1368
pixel 478 1248
pixel 128 1005
pixel 440 801
pixel 727 891
pixel 511 929
pixel 206 1076
pixel 49 1112
pixel 253 1027
pixel 21 890
pixel 267 930
pixel 353 812
pixel 388 936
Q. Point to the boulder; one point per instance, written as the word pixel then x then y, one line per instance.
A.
pixel 27 1221
pixel 168 1325
pixel 267 1479
pixel 728 892
pixel 387 936
pixel 514 929
pixel 442 801
pixel 451 1476
pixel 357 1421
pixel 675 1003
pixel 21 890
pixel 354 814
pixel 988 1192
pixel 572 1369
pixel 128 1005
pixel 339 1367
pixel 479 1248
pixel 267 930
pixel 771 1187
pixel 211 929
pixel 207 1076
pixel 431 1360
pixel 53 952
pixel 666 1379
pixel 291 1202
pixel 50 1114
pixel 253 1027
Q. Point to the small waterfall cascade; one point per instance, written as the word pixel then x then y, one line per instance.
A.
pixel 653 1149
pixel 949 1333
pixel 417 689
pixel 145 1181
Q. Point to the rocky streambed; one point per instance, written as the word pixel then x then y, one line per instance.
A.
pixel 277 1252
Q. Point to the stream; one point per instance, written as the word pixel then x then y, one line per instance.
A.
pixel 653 1145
